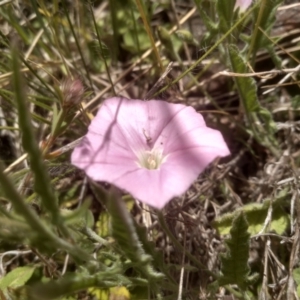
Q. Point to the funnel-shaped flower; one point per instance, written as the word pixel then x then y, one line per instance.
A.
pixel 152 149
pixel 242 4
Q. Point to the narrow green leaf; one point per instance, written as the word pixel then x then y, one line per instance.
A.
pixel 235 267
pixel 246 85
pixel 265 17
pixel 55 118
pixel 30 145
pixel 123 230
pixel 71 26
pixel 211 26
pixel 226 13
pixel 248 95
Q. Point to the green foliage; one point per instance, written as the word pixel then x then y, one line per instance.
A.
pixel 235 269
pixel 226 13
pixel 296 276
pixel 245 85
pixel 41 177
pixel 256 114
pixel 136 41
pixel 103 225
pixel 73 283
pixel 16 278
pixel 203 9
pixel 264 15
pixel 123 230
pixel 149 247
pixel 256 215
pixel 186 36
pixel 170 43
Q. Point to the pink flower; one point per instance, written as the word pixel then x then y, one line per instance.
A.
pixel 152 149
pixel 242 4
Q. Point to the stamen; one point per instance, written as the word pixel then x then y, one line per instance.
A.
pixel 152 164
pixel 151 160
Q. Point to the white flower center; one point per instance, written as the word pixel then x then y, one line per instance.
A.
pixel 151 160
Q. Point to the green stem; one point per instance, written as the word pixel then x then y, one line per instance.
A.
pixel 94 236
pixel 254 39
pixel 101 49
pixel 77 44
pixel 149 31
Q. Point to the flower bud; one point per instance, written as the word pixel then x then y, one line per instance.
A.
pixel 72 92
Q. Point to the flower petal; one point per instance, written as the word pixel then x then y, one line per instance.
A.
pixel 123 129
pixel 103 162
pixel 242 4
pixel 154 187
pixel 206 139
pixel 181 169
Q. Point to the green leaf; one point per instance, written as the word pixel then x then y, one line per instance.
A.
pixel 16 278
pixel 103 223
pixel 72 283
pixel 30 145
pixel 296 276
pixel 124 232
pixel 211 26
pixel 186 36
pixel 171 43
pixel 270 126
pixel 256 214
pixel 235 267
pixel 131 44
pixel 226 13
pixel 246 85
pixel 55 117
pixel 248 95
pixel 265 17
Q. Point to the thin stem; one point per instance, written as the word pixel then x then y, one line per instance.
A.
pixel 149 31
pixel 77 45
pixel 101 49
pixel 254 38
